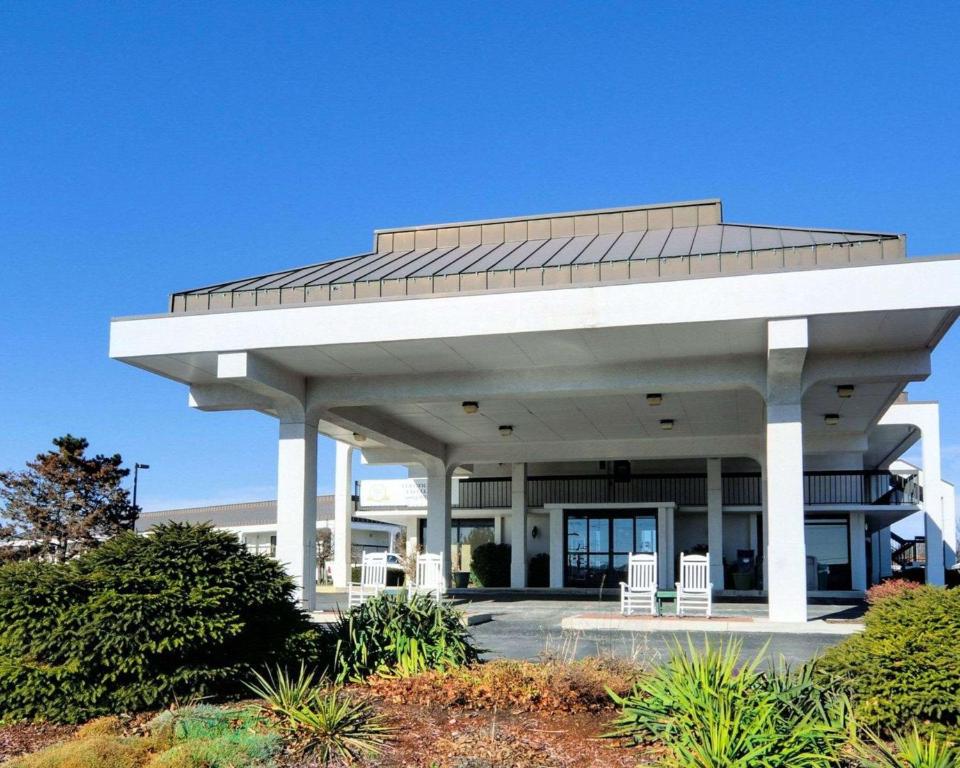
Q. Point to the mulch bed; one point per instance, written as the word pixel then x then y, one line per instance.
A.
pixel 452 738
pixel 21 738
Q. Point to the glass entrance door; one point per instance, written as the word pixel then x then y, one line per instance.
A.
pixel 598 544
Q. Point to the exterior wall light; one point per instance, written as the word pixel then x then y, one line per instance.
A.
pixel 845 390
pixel 358 437
pixel 505 430
pixel 470 406
pixel 666 423
pixel 831 419
pixel 654 398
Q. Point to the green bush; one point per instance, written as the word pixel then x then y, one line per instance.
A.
pixel 539 574
pixel 490 565
pixel 142 621
pixel 395 635
pixel 905 666
pixel 711 712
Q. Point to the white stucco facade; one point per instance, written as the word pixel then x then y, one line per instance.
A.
pixel 764 398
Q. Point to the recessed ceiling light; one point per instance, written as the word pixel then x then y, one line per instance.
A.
pixel 470 406
pixel 831 419
pixel 358 437
pixel 845 390
pixel 666 423
pixel 654 398
pixel 505 430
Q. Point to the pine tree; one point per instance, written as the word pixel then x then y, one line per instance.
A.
pixel 64 502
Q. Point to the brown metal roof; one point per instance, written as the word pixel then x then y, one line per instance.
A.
pixel 641 243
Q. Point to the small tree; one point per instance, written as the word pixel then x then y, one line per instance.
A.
pixel 65 502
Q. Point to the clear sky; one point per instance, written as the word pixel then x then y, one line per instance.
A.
pixel 147 148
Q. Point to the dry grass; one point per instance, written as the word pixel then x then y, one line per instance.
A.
pixel 516 686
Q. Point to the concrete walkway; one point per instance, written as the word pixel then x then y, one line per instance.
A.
pixel 522 628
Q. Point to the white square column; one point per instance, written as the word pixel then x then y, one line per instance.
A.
pixel 297 507
pixel 786 552
pixel 858 551
pixel 439 499
pixel 342 514
pixel 518 527
pixel 557 555
pixel 940 532
pixel 715 522
pixel 783 485
pixel 885 551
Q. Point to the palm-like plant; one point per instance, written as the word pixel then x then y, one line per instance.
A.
pixel 909 751
pixel 282 691
pixel 335 726
pixel 321 719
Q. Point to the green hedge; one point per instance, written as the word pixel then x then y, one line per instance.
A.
pixel 490 565
pixel 142 621
pixel 905 666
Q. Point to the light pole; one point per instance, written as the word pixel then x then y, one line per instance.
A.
pixel 136 470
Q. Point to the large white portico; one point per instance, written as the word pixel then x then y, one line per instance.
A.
pixel 560 327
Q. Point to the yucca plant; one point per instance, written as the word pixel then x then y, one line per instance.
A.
pixel 320 718
pixel 282 691
pixel 333 726
pixel 713 712
pixel 909 751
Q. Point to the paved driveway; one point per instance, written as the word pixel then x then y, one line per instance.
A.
pixel 530 628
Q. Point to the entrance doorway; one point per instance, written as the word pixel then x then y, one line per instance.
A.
pixel 597 544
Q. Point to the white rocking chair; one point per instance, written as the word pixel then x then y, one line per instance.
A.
pixel 429 577
pixel 640 589
pixel 694 590
pixel 373 579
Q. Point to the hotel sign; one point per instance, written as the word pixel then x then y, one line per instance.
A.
pixel 405 493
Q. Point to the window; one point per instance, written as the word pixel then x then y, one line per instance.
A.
pixel 827 542
pixel 598 545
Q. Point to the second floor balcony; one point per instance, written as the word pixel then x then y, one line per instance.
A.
pixel 866 487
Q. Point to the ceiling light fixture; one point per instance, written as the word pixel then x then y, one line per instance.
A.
pixel 654 398
pixel 831 419
pixel 470 406
pixel 845 390
pixel 505 430
pixel 666 423
pixel 358 437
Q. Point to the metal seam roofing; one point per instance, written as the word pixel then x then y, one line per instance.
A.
pixel 565 246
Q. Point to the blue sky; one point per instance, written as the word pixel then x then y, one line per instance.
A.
pixel 146 148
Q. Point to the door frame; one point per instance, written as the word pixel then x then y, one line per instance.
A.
pixel 664 511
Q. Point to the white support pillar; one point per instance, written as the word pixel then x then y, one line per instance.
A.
pixel 886 551
pixel 557 555
pixel 666 550
pixel 715 522
pixel 926 417
pixel 858 551
pixel 439 499
pixel 875 556
pixel 342 514
pixel 786 560
pixel 297 507
pixel 518 527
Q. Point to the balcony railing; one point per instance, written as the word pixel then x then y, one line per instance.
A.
pixel 739 489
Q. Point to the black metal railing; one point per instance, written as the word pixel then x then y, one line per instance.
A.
pixel 484 493
pixel 688 490
pixel 738 489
